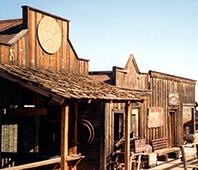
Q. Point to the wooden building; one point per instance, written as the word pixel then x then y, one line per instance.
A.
pixel 169 106
pixel 39 40
pixel 51 110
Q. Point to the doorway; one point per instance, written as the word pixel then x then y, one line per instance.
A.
pixel 135 123
pixel 172 128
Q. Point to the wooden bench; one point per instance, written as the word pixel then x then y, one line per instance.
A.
pixel 160 147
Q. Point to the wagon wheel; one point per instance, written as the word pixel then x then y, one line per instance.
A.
pixel 86 132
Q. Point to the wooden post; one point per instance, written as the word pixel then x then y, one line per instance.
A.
pixel 105 138
pixel 75 131
pixel 184 158
pixel 75 127
pixel 1 118
pixel 193 120
pixel 73 121
pixel 127 135
pixel 64 136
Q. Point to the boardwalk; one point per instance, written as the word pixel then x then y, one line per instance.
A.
pixel 175 165
pixel 178 164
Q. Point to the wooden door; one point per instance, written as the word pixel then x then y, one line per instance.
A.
pixel 172 128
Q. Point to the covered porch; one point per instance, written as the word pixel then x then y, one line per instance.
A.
pixel 39 116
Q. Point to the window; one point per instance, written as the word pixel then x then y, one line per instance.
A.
pixel 118 126
pixel 9 138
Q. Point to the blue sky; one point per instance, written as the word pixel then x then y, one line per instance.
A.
pixel 162 34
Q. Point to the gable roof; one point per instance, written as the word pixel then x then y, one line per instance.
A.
pixel 61 86
pixel 130 61
pixel 9 29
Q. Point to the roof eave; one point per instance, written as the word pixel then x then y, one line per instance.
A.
pixel 38 90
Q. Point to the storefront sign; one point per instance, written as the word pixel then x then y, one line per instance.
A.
pixel 155 117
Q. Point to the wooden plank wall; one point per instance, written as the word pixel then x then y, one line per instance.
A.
pixel 94 113
pixel 129 78
pixel 28 52
pixel 161 86
pixel 4 54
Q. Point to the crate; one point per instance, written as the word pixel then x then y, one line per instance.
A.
pixel 138 145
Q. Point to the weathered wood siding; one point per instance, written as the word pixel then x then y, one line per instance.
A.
pixel 4 54
pixel 130 77
pixel 26 50
pixel 94 113
pixel 161 85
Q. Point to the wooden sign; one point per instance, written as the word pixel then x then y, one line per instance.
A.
pixel 139 145
pixel 49 35
pixel 155 117
pixel 173 98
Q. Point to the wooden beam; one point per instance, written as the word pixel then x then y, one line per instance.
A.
pixel 17 36
pixel 27 111
pixel 127 135
pixel 35 164
pixel 57 159
pixel 64 136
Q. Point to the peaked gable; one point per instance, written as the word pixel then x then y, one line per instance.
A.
pixel 130 76
pixel 131 63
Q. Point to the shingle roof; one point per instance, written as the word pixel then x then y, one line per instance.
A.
pixel 67 85
pixel 8 29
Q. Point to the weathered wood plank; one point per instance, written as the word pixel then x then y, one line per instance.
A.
pixel 106 135
pixel 37 44
pixel 32 34
pixel 5 54
pixel 35 164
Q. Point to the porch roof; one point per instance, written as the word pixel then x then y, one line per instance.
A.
pixel 61 86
